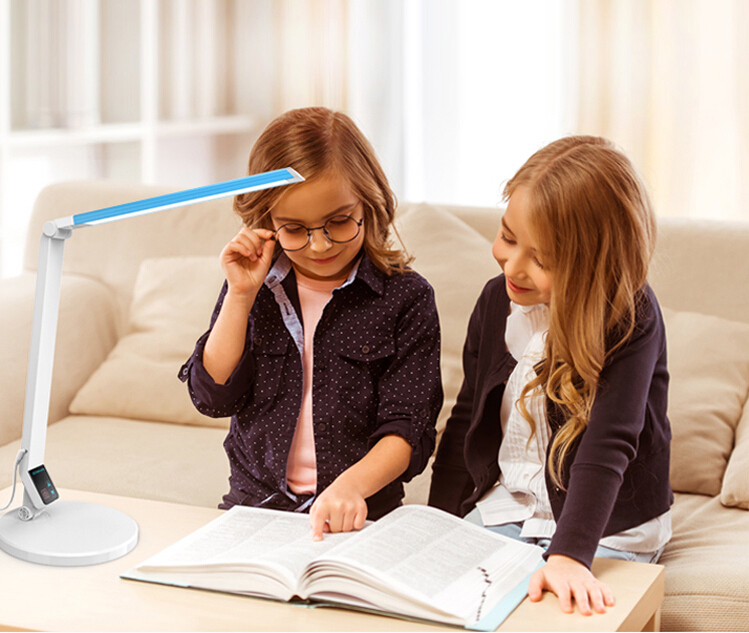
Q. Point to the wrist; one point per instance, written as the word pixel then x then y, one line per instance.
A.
pixel 352 482
pixel 239 298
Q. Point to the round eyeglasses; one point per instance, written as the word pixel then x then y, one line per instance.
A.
pixel 339 229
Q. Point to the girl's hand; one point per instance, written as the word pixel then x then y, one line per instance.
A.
pixel 246 260
pixel 340 508
pixel 569 579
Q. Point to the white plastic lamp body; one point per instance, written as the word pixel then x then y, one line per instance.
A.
pixel 65 533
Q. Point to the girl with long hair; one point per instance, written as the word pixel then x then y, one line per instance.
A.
pixel 559 435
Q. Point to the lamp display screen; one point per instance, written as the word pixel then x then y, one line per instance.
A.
pixel 43 483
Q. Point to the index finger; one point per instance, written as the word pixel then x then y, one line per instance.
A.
pixel 317 520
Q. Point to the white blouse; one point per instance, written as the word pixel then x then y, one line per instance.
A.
pixel 520 495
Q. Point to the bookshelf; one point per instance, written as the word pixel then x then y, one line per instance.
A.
pixel 139 90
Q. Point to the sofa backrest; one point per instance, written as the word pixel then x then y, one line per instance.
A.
pixel 697 265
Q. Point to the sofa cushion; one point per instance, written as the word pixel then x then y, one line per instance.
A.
pixel 735 491
pixel 708 359
pixel 173 299
pixel 137 458
pixel 707 585
pixel 458 262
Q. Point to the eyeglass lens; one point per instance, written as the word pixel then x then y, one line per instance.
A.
pixel 339 229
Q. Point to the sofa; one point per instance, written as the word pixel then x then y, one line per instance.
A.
pixel 136 295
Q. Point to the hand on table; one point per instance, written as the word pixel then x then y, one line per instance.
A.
pixel 569 579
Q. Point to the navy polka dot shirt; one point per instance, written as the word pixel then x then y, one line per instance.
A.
pixel 376 372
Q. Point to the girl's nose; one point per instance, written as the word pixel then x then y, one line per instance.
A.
pixel 318 241
pixel 513 267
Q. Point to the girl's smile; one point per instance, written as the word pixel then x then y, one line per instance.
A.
pixel 516 288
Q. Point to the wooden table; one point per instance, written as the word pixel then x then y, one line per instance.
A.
pixel 95 598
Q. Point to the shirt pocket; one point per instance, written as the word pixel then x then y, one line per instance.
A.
pixel 361 363
pixel 270 354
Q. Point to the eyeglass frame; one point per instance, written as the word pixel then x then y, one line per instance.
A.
pixel 317 228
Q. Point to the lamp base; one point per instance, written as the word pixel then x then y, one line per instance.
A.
pixel 69 534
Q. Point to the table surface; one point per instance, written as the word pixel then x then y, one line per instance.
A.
pixel 38 597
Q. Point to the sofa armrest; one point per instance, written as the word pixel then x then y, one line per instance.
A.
pixel 86 333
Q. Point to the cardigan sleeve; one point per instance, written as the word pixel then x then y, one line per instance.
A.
pixel 451 481
pixel 630 395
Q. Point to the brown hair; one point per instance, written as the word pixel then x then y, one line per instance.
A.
pixel 594 225
pixel 316 142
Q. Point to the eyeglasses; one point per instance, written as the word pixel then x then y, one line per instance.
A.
pixel 339 229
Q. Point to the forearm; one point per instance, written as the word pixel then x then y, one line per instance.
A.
pixel 385 461
pixel 226 342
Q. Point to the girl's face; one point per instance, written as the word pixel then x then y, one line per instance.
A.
pixel 528 281
pixel 310 204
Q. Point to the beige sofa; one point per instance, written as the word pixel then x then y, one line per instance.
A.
pixel 137 293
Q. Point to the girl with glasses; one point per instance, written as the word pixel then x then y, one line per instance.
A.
pixel 559 435
pixel 323 346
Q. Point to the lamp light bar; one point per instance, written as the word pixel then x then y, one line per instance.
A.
pixel 255 182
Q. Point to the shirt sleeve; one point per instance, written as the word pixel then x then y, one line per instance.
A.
pixel 411 388
pixel 610 441
pixel 210 398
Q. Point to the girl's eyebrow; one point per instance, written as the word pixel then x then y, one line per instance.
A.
pixel 343 208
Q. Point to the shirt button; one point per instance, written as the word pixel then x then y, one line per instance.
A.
pixel 365 349
pixel 185 371
pixel 322 427
pixel 257 340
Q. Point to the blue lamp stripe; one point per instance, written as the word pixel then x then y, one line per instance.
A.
pixel 190 196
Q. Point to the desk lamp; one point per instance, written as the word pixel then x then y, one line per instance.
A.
pixel 44 529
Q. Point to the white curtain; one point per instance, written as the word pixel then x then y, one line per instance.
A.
pixel 455 94
pixel 669 81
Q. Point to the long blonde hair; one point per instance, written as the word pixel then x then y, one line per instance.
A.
pixel 316 142
pixel 592 219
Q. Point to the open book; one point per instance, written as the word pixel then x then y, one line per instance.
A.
pixel 416 562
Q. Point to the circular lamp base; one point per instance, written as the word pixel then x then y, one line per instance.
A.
pixel 69 534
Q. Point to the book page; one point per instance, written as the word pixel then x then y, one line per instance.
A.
pixel 433 559
pixel 246 537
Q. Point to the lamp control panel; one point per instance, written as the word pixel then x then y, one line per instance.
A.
pixel 43 484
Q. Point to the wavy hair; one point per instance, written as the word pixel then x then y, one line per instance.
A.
pixel 591 217
pixel 316 142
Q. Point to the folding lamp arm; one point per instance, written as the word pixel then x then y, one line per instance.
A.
pixel 39 490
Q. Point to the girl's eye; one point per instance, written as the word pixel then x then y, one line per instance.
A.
pixel 294 229
pixel 506 239
pixel 538 263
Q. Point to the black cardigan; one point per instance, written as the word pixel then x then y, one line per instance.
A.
pixel 616 475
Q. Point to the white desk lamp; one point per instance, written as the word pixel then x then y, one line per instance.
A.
pixel 70 533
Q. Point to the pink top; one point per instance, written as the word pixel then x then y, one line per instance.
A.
pixel 301 468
